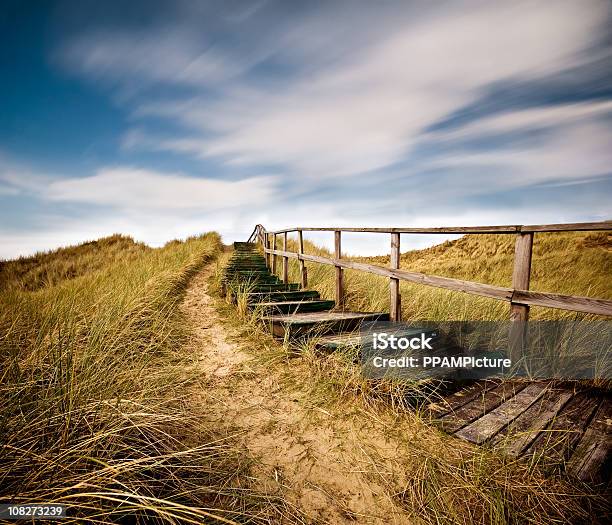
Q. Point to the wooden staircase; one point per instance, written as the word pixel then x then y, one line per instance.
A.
pixel 565 427
pixel 290 312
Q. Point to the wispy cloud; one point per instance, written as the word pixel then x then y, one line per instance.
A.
pixel 368 109
pixel 525 120
pixel 138 188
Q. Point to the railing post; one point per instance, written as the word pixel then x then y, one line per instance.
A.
pixel 285 260
pixel 303 274
pixel 395 313
pixel 267 246
pixel 274 255
pixel 519 313
pixel 339 271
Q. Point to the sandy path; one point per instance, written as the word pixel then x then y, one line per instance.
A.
pixel 327 466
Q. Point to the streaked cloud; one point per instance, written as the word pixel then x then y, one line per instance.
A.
pixel 138 188
pixel 368 110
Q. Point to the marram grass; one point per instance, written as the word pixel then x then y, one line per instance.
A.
pixel 94 407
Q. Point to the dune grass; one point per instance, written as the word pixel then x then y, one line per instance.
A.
pixel 51 268
pixel 95 390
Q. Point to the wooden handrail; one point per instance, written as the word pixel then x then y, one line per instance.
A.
pixel 519 296
pixel 506 229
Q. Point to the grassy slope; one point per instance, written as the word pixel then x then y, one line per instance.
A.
pixel 94 385
pixel 51 268
pixel 567 263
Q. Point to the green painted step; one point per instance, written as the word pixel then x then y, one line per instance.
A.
pixel 251 278
pixel 247 271
pixel 273 297
pixel 250 262
pixel 247 264
pixel 245 260
pixel 290 307
pixel 319 323
pixel 267 287
pixel 244 245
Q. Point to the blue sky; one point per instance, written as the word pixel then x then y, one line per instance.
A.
pixel 164 119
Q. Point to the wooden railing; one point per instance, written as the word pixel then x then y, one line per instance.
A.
pixel 519 296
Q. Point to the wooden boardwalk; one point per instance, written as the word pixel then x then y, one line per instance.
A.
pixel 561 426
pixel 564 427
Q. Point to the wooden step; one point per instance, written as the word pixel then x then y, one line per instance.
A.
pixel 290 307
pixel 248 257
pixel 247 264
pixel 247 273
pixel 244 246
pixel 319 323
pixel 253 281
pixel 266 287
pixel 274 297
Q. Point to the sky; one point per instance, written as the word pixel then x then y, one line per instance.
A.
pixel 162 120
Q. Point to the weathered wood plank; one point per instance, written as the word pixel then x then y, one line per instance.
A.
pixel 274 252
pixel 303 271
pixel 513 228
pixel 519 313
pixel 321 317
pixel 339 270
pixel 319 323
pixel 521 273
pixel 575 303
pixel 439 408
pixel 490 424
pixel 555 444
pixel 525 428
pixel 285 260
pixel 395 310
pixel 291 307
pixel 463 416
pixel 591 461
pixel 302 295
pixel 569 227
